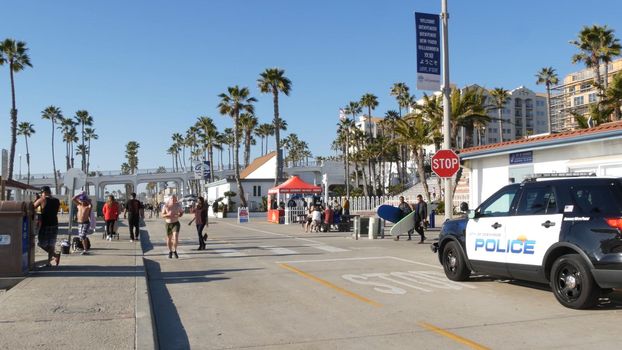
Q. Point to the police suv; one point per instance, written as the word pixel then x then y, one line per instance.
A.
pixel 561 229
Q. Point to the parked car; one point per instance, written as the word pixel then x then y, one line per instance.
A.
pixel 558 229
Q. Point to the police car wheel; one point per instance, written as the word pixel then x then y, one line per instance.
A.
pixel 573 284
pixel 454 263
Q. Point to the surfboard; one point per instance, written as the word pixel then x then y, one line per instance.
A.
pixel 389 213
pixel 404 225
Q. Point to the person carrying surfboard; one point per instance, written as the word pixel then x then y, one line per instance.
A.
pixel 421 214
pixel 406 209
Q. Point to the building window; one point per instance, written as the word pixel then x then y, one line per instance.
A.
pixel 591 98
pixel 256 191
pixel 578 101
pixel 517 112
pixel 518 103
pixel 585 86
pixel 571 89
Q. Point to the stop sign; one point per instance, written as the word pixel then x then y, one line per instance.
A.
pixel 445 163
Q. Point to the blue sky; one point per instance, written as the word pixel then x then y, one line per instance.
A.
pixel 146 69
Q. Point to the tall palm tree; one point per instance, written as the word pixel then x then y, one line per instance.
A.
pixel 131 154
pixel 597 45
pixel 371 102
pixel 228 139
pixel 89 134
pixel 499 98
pixel 68 128
pixel 210 134
pixel 248 122
pixel 264 131
pixel 416 132
pixel 26 129
pixel 237 100
pixel 53 114
pixel 83 119
pixel 179 140
pixel 273 80
pixel 400 91
pixel 548 77
pixel 14 53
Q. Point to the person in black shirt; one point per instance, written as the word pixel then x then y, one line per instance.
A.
pixel 48 230
pixel 132 212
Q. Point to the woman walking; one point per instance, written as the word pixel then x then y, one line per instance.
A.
pixel 171 213
pixel 200 219
pixel 111 215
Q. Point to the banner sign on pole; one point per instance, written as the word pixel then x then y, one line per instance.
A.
pixel 428 51
pixel 198 170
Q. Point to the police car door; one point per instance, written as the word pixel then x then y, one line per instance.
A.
pixel 533 229
pixel 486 232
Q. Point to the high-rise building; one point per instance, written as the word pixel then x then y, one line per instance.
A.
pixel 576 93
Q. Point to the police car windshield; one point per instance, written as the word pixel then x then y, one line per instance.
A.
pixel 597 199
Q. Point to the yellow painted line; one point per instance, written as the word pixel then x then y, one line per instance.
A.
pixel 458 339
pixel 330 285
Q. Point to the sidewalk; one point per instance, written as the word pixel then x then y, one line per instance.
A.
pixel 96 301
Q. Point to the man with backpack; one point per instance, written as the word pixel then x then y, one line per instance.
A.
pixel 132 213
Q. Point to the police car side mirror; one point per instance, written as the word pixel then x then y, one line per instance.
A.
pixel 472 214
pixel 464 207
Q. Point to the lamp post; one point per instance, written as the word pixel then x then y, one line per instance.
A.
pixel 446 105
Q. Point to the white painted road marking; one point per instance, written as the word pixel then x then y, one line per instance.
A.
pixel 226 252
pixel 327 248
pixel 390 283
pixel 278 250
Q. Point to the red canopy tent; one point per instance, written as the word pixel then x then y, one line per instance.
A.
pixel 293 185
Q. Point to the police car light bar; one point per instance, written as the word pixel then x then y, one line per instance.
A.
pixel 534 177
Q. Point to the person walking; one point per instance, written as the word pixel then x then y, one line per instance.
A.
pixel 48 231
pixel 171 213
pixel 84 206
pixel 111 215
pixel 405 209
pixel 200 220
pixel 133 209
pixel 421 213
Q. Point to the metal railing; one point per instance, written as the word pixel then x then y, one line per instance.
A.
pixel 371 203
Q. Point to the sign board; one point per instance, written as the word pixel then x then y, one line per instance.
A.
pixel 428 51
pixel 521 157
pixel 74 174
pixel 243 215
pixel 445 163
pixel 5 239
pixel 198 170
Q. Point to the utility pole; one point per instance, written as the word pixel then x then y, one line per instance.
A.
pixel 446 106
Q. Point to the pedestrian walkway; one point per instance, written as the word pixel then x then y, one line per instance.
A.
pixel 95 301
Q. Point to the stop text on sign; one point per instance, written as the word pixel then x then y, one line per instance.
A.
pixel 445 163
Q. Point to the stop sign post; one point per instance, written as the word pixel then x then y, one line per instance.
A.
pixel 445 163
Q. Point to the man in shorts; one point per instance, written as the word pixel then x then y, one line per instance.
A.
pixel 171 213
pixel 48 230
pixel 83 203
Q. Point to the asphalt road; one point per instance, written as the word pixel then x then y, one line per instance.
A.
pixel 267 286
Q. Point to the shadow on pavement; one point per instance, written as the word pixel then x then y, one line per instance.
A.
pixel 87 271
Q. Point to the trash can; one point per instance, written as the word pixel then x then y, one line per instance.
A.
pixel 432 215
pixel 17 243
pixel 374 228
pixel 357 226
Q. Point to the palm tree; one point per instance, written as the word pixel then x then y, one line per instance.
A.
pixel 179 140
pixel 248 122
pixel 26 129
pixel 400 91
pixel 500 97
pixel 237 100
pixel 548 77
pixel 89 134
pixel 131 154
pixel 597 45
pixel 613 95
pixel 53 114
pixel 210 134
pixel 273 80
pixel 70 135
pixel 14 53
pixel 415 132
pixel 264 131
pixel 371 102
pixel 83 119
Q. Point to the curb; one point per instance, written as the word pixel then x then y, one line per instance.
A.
pixel 146 333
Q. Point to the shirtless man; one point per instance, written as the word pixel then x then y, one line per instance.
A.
pixel 171 213
pixel 83 203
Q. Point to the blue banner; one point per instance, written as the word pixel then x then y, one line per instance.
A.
pixel 207 170
pixel 428 51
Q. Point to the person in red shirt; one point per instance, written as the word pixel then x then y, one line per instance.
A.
pixel 111 215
